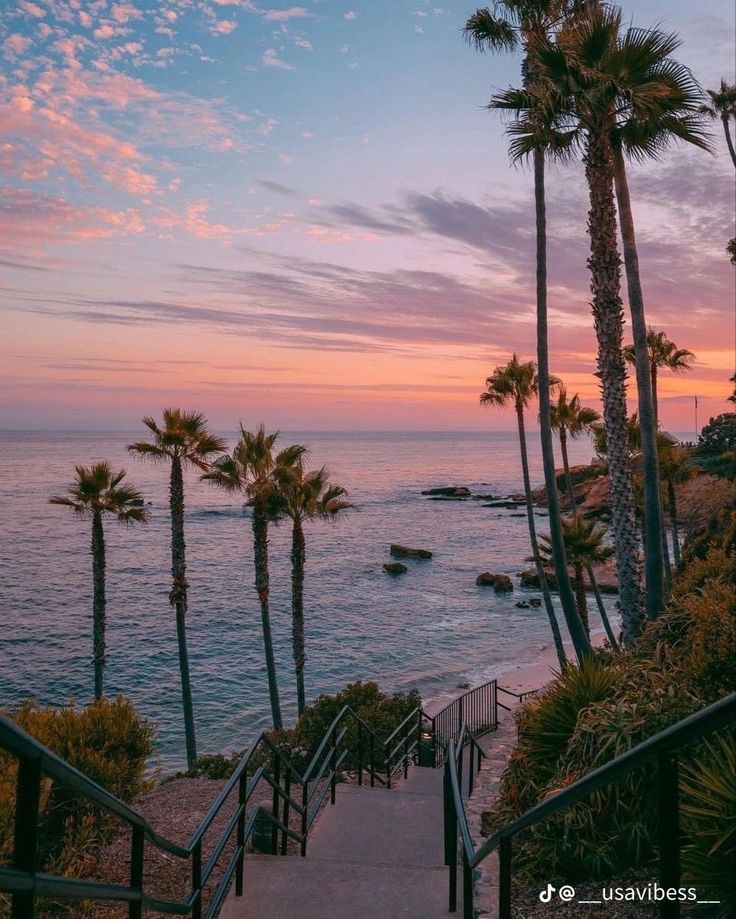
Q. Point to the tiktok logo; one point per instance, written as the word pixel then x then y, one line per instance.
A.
pixel 546 895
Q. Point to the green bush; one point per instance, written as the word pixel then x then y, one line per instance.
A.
pixel 108 741
pixel 708 789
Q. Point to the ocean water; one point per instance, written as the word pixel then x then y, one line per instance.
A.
pixel 431 628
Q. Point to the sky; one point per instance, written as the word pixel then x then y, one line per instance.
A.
pixel 304 215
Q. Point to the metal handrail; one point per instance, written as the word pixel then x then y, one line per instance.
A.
pixel 662 747
pixel 24 883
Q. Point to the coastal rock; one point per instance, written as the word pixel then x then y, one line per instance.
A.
pixel 522 604
pixel 501 583
pixel 535 602
pixel 448 491
pixel 485 497
pixel 530 578
pixel 395 568
pixel 505 503
pixel 399 551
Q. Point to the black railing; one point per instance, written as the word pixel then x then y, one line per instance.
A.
pixel 476 710
pixel 662 748
pixel 349 743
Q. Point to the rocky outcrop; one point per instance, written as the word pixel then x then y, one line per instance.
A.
pixel 448 491
pixel 501 583
pixel 505 503
pixel 395 568
pixel 399 551
pixel 530 578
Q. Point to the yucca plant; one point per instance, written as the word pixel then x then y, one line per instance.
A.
pixel 708 787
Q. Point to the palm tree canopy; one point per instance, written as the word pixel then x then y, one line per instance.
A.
pixel 570 415
pixel 97 489
pixel 664 440
pixel 182 435
pixel 306 495
pixel 516 382
pixel 595 75
pixel 722 101
pixel 662 352
pixel 676 463
pixel 583 542
pixel 252 466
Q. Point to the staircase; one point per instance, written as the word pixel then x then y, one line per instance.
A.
pixel 377 854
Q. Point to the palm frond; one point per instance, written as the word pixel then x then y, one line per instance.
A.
pixel 486 30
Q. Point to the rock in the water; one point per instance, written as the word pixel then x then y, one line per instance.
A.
pixel 522 604
pixel 395 568
pixel 535 602
pixel 505 503
pixel 529 578
pixel 398 551
pixel 499 582
pixel 448 491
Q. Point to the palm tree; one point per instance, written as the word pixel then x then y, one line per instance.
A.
pixel 252 470
pixel 97 491
pixel 517 384
pixel 515 24
pixel 584 547
pixel 676 466
pixel 569 417
pixel 723 106
pixel 182 439
pixel 661 353
pixel 303 496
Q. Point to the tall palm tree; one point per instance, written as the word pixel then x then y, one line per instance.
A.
pixel 182 439
pixel 723 106
pixel 583 70
pixel 676 465
pixel 97 491
pixel 303 496
pixel 661 353
pixel 513 24
pixel 516 384
pixel 569 417
pixel 252 470
pixel 584 547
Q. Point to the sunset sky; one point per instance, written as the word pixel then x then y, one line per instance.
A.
pixel 303 215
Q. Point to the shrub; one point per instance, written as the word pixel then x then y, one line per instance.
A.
pixel 719 435
pixel 708 661
pixel 708 787
pixel 108 741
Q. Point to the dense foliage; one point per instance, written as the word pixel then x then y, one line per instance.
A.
pixel 108 741
pixel 589 715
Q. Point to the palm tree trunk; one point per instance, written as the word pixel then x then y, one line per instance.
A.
pixel 673 519
pixel 178 598
pixel 556 635
pixel 645 385
pixel 298 556
pixel 98 601
pixel 588 568
pixel 580 640
pixel 727 131
pixel 581 598
pixel 655 398
pixel 260 552
pixel 566 466
pixel 605 268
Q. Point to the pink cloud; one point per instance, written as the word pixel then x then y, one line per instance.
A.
pixel 124 12
pixel 293 12
pixel 223 27
pixel 17 44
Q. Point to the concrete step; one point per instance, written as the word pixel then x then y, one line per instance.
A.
pixel 312 888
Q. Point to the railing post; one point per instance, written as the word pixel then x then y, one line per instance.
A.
pixel 28 794
pixel 285 812
pixel 461 717
pixel 471 768
pixel 452 838
pixel 434 744
pixel 137 845
pixel 495 704
pixel 669 830
pixel 504 878
pixel 197 879
pixel 333 766
pixel 406 754
pixel 360 753
pixel 468 906
pixel 372 753
pixel 305 816
pixel 240 839
pixel 275 805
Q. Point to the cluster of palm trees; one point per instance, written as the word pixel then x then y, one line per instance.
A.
pixel 275 485
pixel 594 89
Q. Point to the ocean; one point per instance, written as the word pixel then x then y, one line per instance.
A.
pixel 431 628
